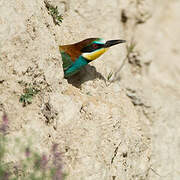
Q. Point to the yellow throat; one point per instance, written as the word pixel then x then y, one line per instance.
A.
pixel 94 55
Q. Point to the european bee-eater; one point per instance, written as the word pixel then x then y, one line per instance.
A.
pixel 75 56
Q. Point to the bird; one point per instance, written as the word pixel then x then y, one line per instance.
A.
pixel 77 55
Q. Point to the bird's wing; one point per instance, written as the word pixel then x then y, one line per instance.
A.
pixel 67 62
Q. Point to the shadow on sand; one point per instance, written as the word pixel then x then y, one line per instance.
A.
pixel 86 74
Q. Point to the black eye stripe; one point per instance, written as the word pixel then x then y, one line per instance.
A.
pixel 92 47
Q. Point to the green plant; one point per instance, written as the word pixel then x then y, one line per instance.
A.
pixel 3 128
pixel 29 93
pixel 130 48
pixel 110 75
pixel 34 166
pixel 53 11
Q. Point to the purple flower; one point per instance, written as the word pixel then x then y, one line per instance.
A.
pixel 58 175
pixel 5 119
pixel 44 161
pixel 4 125
pixel 27 152
pixel 54 147
pixel 6 176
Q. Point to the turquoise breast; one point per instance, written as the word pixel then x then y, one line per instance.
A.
pixel 76 66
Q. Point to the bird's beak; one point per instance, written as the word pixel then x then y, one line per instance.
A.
pixel 113 42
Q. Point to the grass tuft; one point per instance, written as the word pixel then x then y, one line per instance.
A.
pixel 28 95
pixel 53 11
pixel 130 48
pixel 110 75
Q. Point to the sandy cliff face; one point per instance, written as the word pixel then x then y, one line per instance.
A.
pixel 125 128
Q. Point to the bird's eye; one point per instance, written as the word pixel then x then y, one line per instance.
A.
pixel 95 46
pixel 91 47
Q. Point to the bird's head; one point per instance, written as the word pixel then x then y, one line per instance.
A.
pixel 95 47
